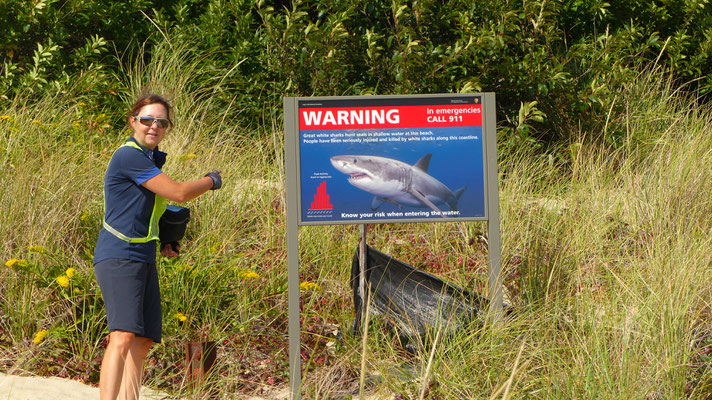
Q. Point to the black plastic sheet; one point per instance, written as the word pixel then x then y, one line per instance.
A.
pixel 412 300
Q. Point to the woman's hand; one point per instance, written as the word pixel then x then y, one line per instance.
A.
pixel 171 249
pixel 217 179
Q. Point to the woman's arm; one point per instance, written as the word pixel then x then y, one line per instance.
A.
pixel 180 192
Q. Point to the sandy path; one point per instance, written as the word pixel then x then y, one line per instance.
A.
pixel 13 387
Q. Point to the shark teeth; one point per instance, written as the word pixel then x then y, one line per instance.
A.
pixel 358 175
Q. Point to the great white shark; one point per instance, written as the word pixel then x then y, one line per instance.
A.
pixel 397 182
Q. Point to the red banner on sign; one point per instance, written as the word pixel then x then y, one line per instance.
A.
pixel 391 117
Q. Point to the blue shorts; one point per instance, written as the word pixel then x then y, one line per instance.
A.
pixel 132 296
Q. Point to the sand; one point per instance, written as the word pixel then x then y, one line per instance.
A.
pixel 13 387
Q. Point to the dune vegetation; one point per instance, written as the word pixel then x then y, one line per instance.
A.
pixel 605 256
pixel 605 242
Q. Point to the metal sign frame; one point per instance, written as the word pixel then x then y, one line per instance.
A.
pixel 295 202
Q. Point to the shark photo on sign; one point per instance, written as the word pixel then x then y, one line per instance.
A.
pixel 396 182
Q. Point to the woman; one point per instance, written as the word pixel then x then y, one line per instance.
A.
pixel 135 194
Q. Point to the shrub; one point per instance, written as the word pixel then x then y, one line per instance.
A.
pixel 553 65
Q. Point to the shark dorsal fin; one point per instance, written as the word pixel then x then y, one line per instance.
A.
pixel 423 163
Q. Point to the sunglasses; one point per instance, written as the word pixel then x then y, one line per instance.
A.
pixel 148 121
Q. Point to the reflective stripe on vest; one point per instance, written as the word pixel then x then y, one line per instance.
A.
pixel 159 207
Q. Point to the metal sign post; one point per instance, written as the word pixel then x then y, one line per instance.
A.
pixel 292 206
pixel 494 246
pixel 388 159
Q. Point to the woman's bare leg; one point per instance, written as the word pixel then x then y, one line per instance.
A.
pixel 112 365
pixel 133 368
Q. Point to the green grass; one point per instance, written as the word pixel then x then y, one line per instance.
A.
pixel 606 259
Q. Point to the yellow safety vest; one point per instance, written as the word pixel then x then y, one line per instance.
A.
pixel 159 207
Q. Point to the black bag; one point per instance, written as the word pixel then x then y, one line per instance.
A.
pixel 173 222
pixel 412 301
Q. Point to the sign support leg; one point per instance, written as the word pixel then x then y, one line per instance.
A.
pixel 293 324
pixel 362 249
pixel 495 272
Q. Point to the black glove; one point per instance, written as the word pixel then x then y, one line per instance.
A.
pixel 217 180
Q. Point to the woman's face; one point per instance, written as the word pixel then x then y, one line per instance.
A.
pixel 152 134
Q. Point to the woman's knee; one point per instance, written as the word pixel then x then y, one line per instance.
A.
pixel 143 343
pixel 121 340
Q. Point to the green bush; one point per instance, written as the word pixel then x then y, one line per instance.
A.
pixel 554 65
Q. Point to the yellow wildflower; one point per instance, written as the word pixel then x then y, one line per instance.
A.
pixel 75 124
pixel 36 249
pixel 82 104
pixel 5 117
pixel 77 291
pixel 40 336
pixel 85 216
pixel 309 286
pixel 180 317
pixel 70 272
pixel 63 281
pixel 36 121
pixel 14 262
pixel 248 275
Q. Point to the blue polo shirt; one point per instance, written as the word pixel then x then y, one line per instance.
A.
pixel 128 205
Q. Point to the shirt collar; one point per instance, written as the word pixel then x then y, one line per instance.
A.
pixel 148 152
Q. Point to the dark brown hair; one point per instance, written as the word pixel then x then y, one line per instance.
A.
pixel 146 100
